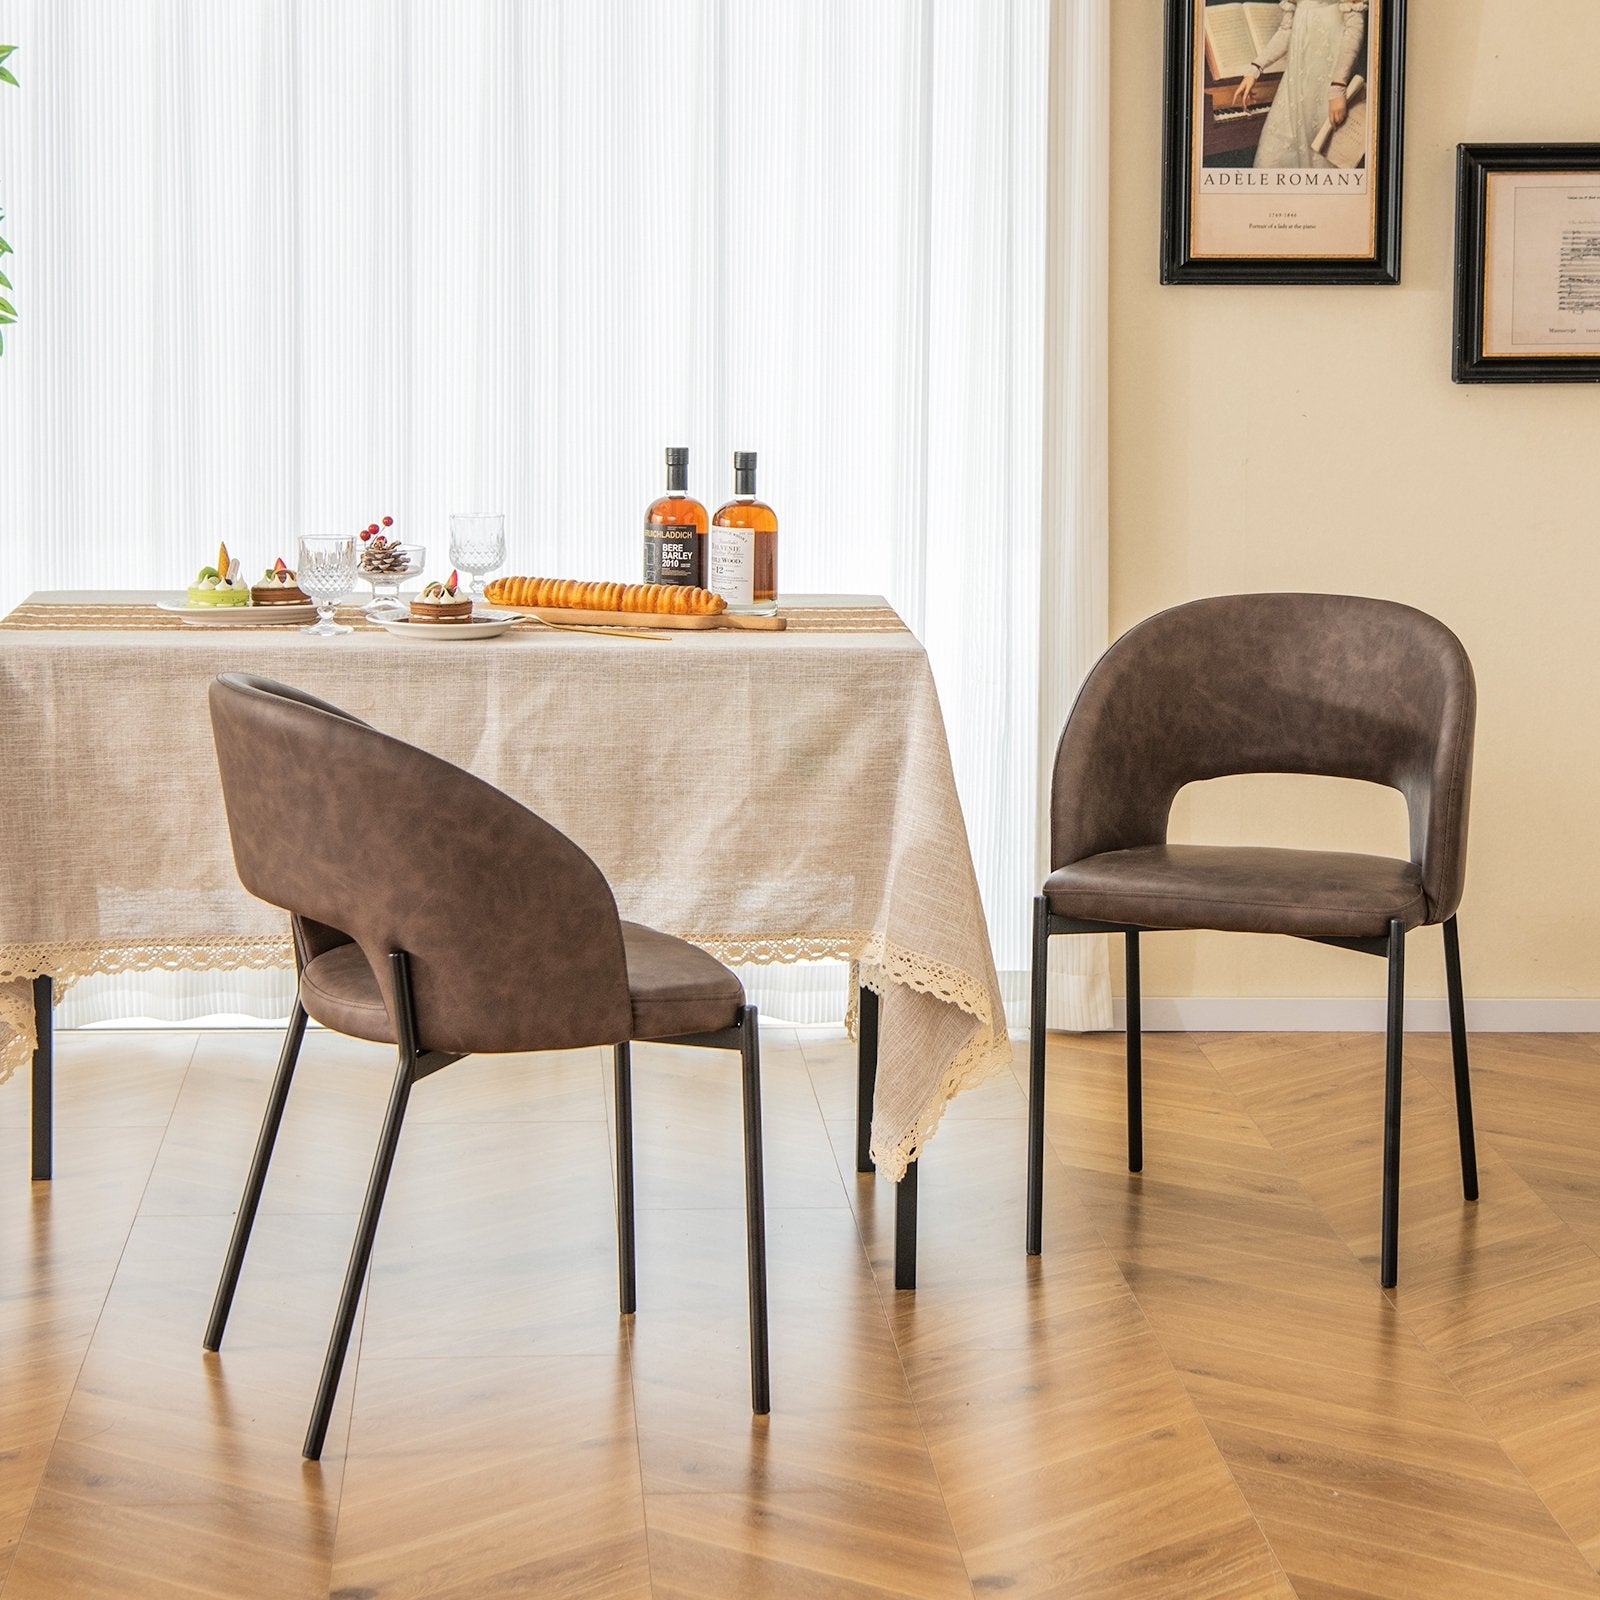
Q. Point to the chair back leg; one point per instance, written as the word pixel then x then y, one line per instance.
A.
pixel 627 1275
pixel 256 1179
pixel 1036 1015
pixel 755 1213
pixel 1458 1052
pixel 1390 1241
pixel 1135 1054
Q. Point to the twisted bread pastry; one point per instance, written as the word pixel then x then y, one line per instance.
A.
pixel 578 594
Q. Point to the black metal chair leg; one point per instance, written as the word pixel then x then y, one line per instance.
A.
pixel 627 1278
pixel 905 1228
pixel 1390 1245
pixel 371 1206
pixel 256 1179
pixel 866 1076
pixel 1135 1055
pixel 1036 1015
pixel 43 1077
pixel 755 1214
pixel 1458 1052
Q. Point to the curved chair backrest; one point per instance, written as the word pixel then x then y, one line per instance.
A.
pixel 511 929
pixel 1313 683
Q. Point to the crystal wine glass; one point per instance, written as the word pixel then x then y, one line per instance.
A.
pixel 327 572
pixel 477 546
pixel 386 571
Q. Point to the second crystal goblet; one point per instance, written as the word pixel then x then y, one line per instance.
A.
pixel 327 572
pixel 477 546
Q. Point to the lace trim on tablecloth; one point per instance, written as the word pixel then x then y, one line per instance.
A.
pixel 985 1053
pixel 67 960
pixel 875 963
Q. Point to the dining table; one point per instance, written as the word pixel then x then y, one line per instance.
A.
pixel 772 796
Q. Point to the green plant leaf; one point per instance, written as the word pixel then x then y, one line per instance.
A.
pixel 6 77
pixel 7 307
pixel 5 282
pixel 5 249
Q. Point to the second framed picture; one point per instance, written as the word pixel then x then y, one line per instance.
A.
pixel 1281 152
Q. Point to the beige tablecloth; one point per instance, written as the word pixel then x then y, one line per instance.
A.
pixel 772 797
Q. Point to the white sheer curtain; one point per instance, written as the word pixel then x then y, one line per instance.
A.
pixel 291 266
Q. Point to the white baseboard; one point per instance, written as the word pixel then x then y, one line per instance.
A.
pixel 1268 1014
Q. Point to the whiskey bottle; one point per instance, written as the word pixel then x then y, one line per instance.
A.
pixel 742 546
pixel 675 529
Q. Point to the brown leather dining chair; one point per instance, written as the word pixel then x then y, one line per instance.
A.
pixel 511 943
pixel 1294 683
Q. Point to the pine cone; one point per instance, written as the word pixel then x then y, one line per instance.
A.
pixel 382 558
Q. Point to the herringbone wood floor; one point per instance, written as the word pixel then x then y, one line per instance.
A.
pixel 1198 1391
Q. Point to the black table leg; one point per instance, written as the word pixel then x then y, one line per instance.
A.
pixel 866 1077
pixel 905 1229
pixel 43 1052
pixel 905 1192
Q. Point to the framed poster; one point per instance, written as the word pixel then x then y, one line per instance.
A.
pixel 1527 263
pixel 1281 151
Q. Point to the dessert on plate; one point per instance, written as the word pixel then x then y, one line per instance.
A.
pixel 440 602
pixel 220 585
pixel 277 587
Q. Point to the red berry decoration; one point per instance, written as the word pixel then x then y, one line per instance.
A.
pixel 372 527
pixel 388 522
pixel 366 533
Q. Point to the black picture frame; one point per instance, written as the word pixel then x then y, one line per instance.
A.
pixel 1477 214
pixel 1185 92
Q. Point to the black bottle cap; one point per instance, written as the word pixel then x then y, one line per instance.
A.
pixel 744 461
pixel 677 455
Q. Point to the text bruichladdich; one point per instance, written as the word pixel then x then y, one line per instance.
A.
pixel 1294 178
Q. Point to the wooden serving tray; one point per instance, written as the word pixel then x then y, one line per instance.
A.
pixel 648 619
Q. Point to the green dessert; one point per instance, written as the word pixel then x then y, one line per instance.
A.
pixel 220 585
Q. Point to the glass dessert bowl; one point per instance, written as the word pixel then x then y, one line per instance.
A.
pixel 386 564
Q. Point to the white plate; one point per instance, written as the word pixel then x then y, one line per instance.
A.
pixel 484 625
pixel 235 616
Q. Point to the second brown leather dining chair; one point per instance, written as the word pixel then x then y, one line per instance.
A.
pixel 1335 685
pixel 508 940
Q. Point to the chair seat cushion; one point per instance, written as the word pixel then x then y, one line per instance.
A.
pixel 1317 893
pixel 677 988
pixel 338 990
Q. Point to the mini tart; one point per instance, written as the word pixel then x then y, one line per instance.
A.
pixel 453 609
pixel 270 592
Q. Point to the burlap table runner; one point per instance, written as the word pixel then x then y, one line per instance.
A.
pixel 772 797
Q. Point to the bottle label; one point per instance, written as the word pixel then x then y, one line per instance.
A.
pixel 672 554
pixel 732 560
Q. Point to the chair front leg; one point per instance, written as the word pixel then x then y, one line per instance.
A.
pixel 1390 1242
pixel 755 1213
pixel 1458 1053
pixel 256 1178
pixel 1135 1053
pixel 367 1225
pixel 627 1278
pixel 1040 979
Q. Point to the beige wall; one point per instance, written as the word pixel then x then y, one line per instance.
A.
pixel 1311 438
